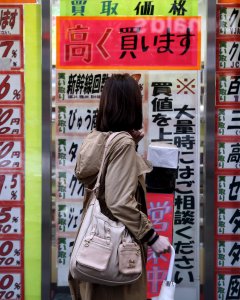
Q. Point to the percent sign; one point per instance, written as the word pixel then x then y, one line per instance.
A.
pixel 17 94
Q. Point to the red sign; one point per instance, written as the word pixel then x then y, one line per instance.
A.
pixel 160 211
pixel 128 42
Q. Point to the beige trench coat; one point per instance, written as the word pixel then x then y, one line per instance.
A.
pixel 122 189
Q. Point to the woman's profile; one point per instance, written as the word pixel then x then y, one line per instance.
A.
pixel 122 186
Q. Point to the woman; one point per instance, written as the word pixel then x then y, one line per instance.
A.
pixel 122 188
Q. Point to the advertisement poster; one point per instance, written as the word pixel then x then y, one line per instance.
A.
pixel 108 43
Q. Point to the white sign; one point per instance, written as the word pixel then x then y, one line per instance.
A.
pixel 11 285
pixel 11 188
pixel 69 217
pixel 11 253
pixel 228 188
pixel 228 155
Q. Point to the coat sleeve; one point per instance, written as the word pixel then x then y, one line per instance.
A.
pixel 120 187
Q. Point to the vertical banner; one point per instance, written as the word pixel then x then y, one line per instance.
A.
pixel 12 148
pixel 227 149
pixel 160 210
pixel 174 121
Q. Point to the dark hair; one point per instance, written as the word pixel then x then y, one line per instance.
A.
pixel 120 107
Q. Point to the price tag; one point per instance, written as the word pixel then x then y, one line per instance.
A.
pixel 11 253
pixel 64 250
pixel 11 285
pixel 10 220
pixel 69 216
pixel 11 87
pixel 227 285
pixel 11 154
pixel 76 119
pixel 11 187
pixel 228 219
pixel 228 122
pixel 228 188
pixel 228 55
pixel 11 121
pixel 11 20
pixel 227 254
pixel 13 50
pixel 228 155
pixel 66 151
pixel 68 186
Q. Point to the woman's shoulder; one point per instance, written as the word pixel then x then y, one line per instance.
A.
pixel 123 139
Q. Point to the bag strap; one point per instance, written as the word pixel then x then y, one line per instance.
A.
pixel 110 138
pixel 171 264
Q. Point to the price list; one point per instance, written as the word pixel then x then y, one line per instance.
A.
pixel 12 162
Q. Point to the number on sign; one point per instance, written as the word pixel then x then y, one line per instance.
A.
pixel 8 45
pixel 4 87
pixel 4 117
pixel 4 152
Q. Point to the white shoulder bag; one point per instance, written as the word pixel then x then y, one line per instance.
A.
pixel 104 251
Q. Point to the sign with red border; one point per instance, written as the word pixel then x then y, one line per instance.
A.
pixel 227 187
pixel 11 121
pixel 11 49
pixel 227 253
pixel 11 220
pixel 228 88
pixel 228 121
pixel 228 155
pixel 227 54
pixel 228 17
pixel 11 87
pixel 13 283
pixel 227 285
pixel 11 253
pixel 12 154
pixel 129 43
pixel 11 20
pixel 11 187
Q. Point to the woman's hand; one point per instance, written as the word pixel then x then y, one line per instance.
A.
pixel 161 245
pixel 137 135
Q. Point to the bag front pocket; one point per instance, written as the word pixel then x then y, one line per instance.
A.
pixel 130 261
pixel 94 253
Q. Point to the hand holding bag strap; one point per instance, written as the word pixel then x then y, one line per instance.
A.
pixel 171 264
